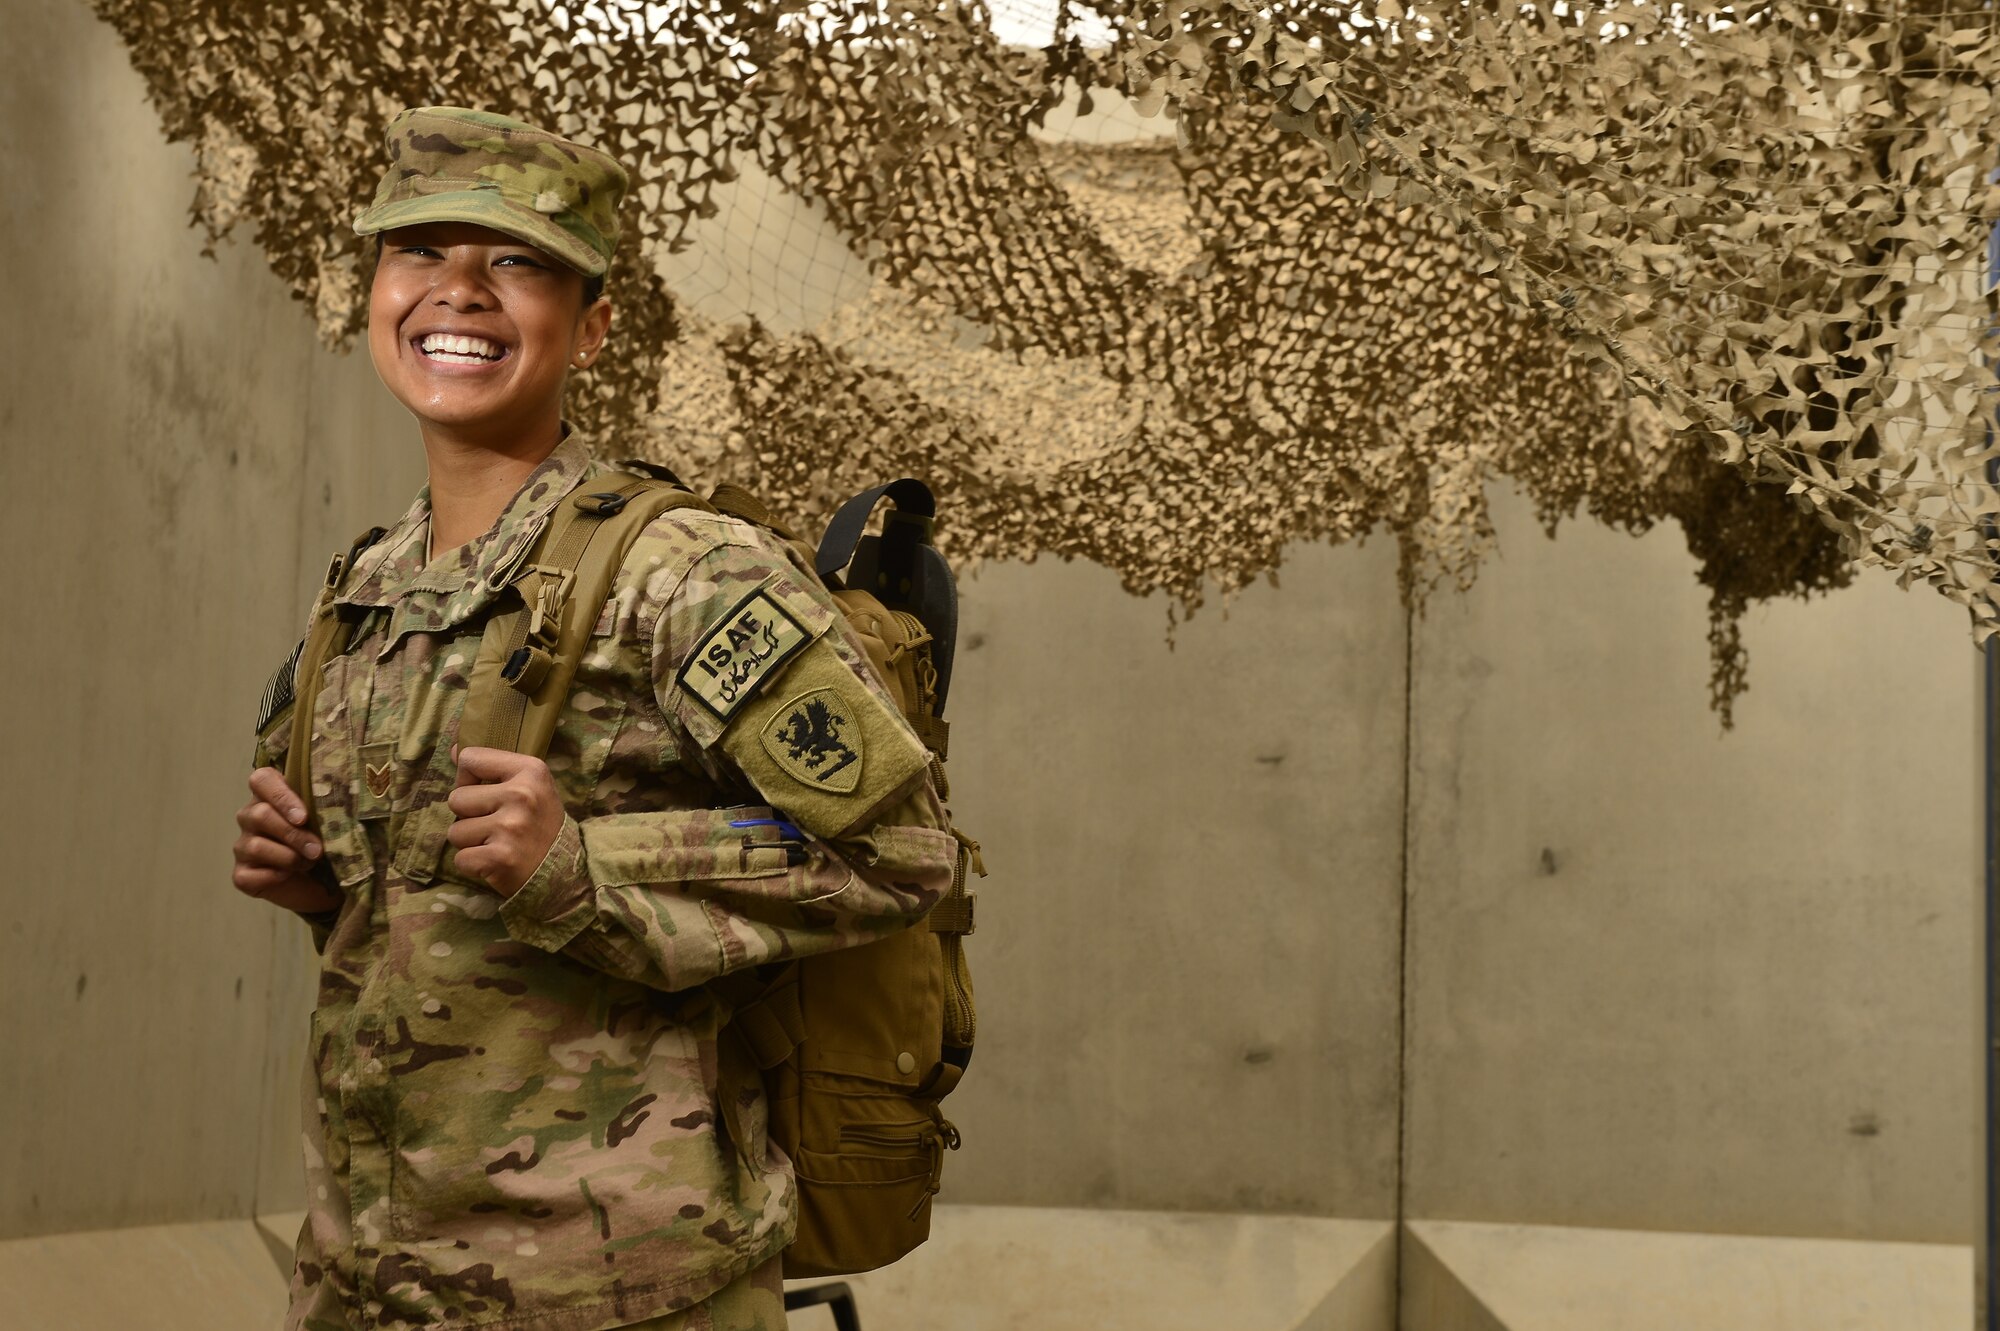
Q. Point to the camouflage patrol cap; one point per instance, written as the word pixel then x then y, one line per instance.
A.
pixel 451 164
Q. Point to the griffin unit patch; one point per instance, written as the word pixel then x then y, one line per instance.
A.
pixel 733 661
pixel 823 745
pixel 814 738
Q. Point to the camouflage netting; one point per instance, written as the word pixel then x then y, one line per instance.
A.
pixel 1627 257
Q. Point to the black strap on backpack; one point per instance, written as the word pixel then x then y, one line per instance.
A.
pixel 901 566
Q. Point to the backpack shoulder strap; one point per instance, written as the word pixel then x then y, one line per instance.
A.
pixel 728 497
pixel 326 639
pixel 529 653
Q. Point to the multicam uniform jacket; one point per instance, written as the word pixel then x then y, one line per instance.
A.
pixel 510 1106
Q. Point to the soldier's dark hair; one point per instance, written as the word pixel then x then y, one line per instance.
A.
pixel 593 284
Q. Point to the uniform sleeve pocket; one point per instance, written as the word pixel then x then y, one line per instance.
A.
pixel 696 845
pixel 594 714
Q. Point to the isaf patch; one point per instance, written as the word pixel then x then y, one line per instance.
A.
pixel 814 738
pixel 742 652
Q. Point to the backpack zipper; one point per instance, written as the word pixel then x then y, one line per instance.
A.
pixel 938 1134
pixel 891 1134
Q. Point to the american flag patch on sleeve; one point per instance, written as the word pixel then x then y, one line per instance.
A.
pixel 278 692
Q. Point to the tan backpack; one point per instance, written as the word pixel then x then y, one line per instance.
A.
pixel 855 1048
pixel 858 1047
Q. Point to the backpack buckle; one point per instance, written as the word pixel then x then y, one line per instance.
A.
pixel 551 595
pixel 344 563
pixel 603 503
pixel 953 914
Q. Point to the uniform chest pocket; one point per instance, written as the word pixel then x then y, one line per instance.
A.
pixel 333 774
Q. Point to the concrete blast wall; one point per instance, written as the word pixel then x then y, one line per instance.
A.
pixel 180 458
pixel 1323 910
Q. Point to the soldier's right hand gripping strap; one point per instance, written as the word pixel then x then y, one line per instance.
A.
pixel 529 653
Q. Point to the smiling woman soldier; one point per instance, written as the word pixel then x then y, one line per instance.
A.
pixel 511 1116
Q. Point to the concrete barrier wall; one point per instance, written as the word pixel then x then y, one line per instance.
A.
pixel 1188 950
pixel 1667 978
pixel 1741 1000
pixel 180 459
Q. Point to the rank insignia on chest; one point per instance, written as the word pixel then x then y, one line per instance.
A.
pixel 814 738
pixel 744 650
pixel 378 779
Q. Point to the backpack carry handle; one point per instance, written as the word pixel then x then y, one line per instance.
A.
pixel 900 567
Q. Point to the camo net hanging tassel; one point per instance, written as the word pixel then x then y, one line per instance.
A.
pixel 1722 268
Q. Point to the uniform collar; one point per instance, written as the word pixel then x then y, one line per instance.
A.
pixel 459 582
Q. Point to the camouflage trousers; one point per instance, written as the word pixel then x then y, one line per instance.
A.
pixel 753 1302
